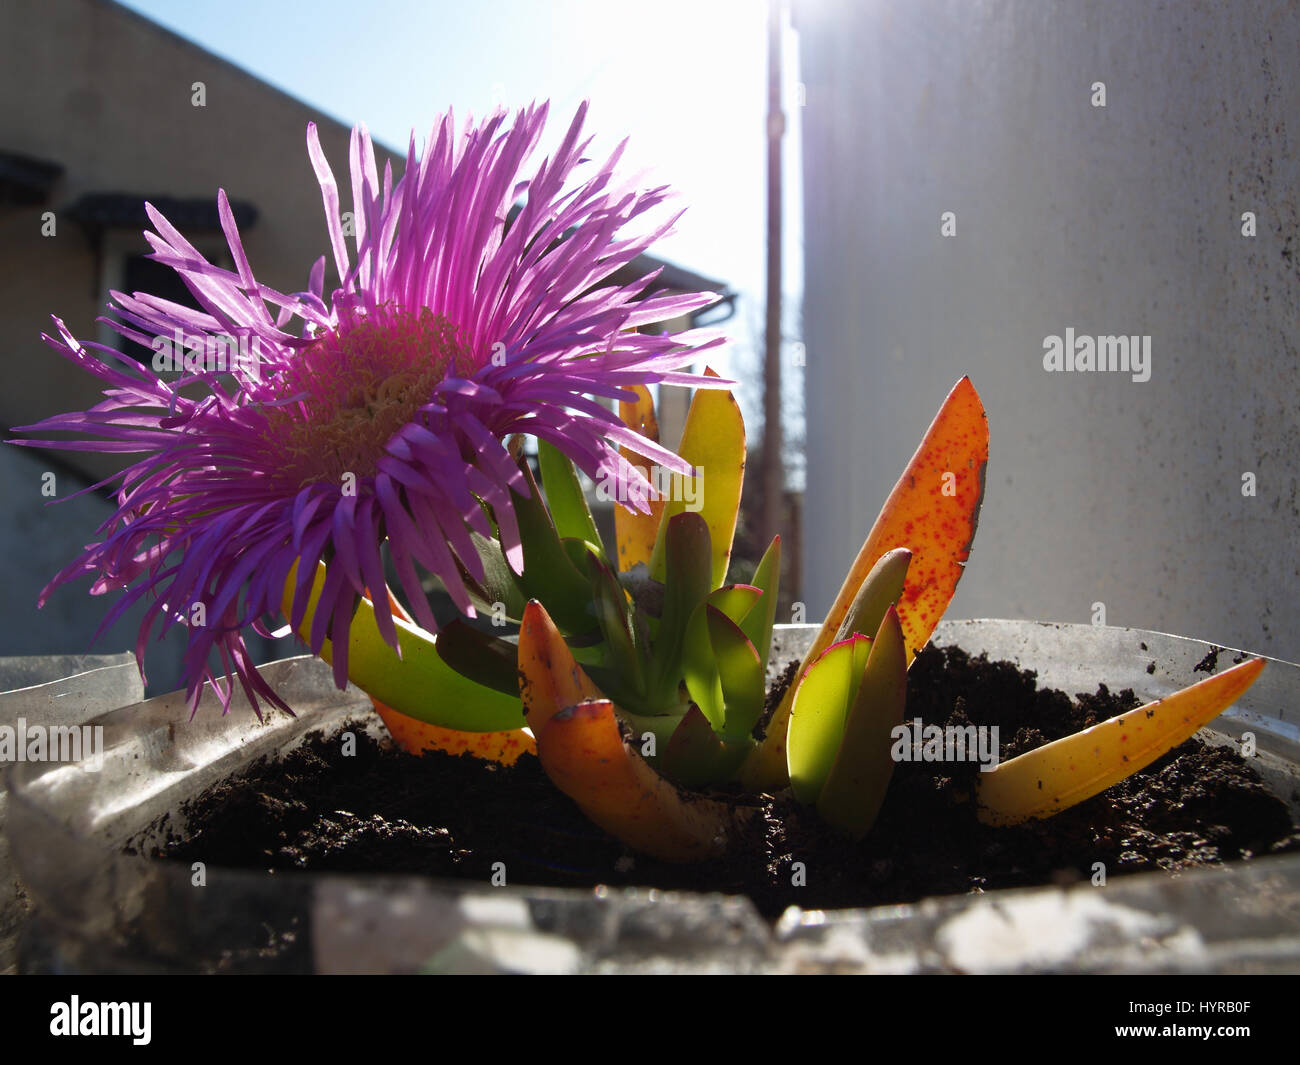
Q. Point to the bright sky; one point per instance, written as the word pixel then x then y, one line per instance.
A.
pixel 684 79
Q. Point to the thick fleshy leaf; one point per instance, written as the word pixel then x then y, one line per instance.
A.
pixel 549 575
pixel 549 677
pixel 419 684
pixel 855 787
pixel 933 511
pixel 757 624
pixel 614 613
pixel 416 737
pixel 821 709
pixel 564 496
pixel 637 532
pixel 1056 776
pixel 740 672
pixel 479 656
pixel 688 582
pixel 499 591
pixel 583 752
pixel 736 601
pixel 699 658
pixel 882 589
pixel 694 754
pixel 713 442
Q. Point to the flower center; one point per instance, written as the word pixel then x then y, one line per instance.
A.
pixel 355 387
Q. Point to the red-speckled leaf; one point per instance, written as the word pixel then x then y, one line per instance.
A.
pixel 420 736
pixel 1056 776
pixel 933 511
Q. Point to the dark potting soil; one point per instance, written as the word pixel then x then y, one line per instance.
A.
pixel 381 810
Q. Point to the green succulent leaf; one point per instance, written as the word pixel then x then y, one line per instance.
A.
pixel 881 590
pixel 689 572
pixel 549 574
pixel 855 787
pixel 564 496
pixel 614 615
pixel 736 601
pixel 700 670
pixel 757 624
pixel 479 656
pixel 740 671
pixel 821 708
pixel 499 584
pixel 696 756
pixel 699 658
pixel 647 594
pixel 417 683
pixel 577 551
pixel 694 752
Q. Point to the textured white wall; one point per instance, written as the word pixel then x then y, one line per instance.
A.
pixel 1123 219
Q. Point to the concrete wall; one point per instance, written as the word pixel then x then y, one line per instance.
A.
pixel 108 95
pixel 1123 219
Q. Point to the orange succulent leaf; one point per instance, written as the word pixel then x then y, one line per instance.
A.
pixel 550 679
pixel 1056 776
pixel 932 511
pixel 636 532
pixel 581 747
pixel 416 737
pixel 583 752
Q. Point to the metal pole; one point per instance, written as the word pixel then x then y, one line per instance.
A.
pixel 772 469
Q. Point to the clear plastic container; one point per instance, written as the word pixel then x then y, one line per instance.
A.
pixel 103 910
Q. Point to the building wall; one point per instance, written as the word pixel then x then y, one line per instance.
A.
pixel 1123 219
pixel 109 96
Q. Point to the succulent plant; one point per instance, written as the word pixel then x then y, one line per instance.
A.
pixel 640 674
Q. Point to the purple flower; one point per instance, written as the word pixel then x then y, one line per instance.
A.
pixel 380 413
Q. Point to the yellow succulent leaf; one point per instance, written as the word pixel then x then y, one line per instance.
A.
pixel 635 532
pixel 1056 776
pixel 713 441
